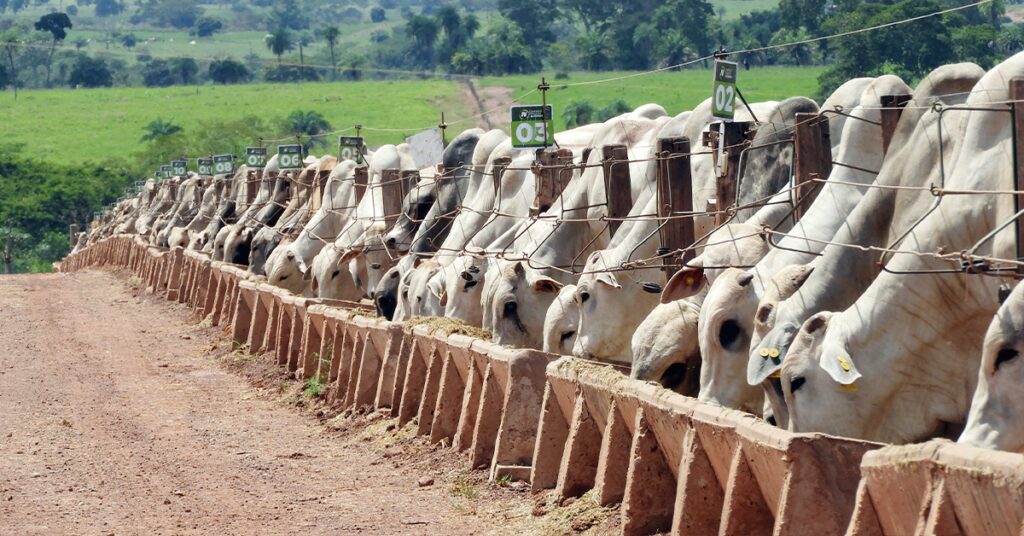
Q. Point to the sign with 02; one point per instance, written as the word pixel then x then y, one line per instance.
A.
pixel 723 90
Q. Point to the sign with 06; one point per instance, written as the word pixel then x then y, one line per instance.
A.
pixel 531 127
pixel 223 164
pixel 289 156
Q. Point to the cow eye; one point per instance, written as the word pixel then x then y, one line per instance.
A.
pixel 470 285
pixel 584 296
pixel 283 277
pixel 796 384
pixel 511 309
pixel 1005 355
pixel 375 266
pixel 335 273
pixel 729 334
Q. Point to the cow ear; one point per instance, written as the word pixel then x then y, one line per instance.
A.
pixel 349 255
pixel 834 358
pixel 546 284
pixel 443 298
pixel 765 360
pixel 607 278
pixel 300 263
pixel 519 270
pixel 687 282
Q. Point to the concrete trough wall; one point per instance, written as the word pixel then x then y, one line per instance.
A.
pixel 672 464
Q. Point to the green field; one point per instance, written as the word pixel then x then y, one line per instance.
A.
pixel 95 124
pixel 735 8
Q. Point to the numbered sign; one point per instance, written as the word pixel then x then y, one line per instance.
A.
pixel 140 184
pixel 224 164
pixel 529 129
pixel 205 166
pixel 166 171
pixel 256 157
pixel 289 156
pixel 179 167
pixel 723 91
pixel 350 148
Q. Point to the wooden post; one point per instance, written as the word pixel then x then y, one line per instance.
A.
pixel 812 159
pixel 731 140
pixel 410 178
pixel 391 195
pixel 615 161
pixel 1017 95
pixel 361 177
pixel 675 196
pixel 551 179
pixel 498 170
pixel 253 179
pixel 72 232
pixel 892 108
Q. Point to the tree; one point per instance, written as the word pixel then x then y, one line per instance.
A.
pixel 577 113
pixel 5 77
pixel 184 70
pixel 10 40
pixel 157 73
pixel 308 124
pixel 207 26
pixel 228 71
pixel 175 13
pixel 287 14
pixel 90 72
pixel 423 30
pixel 592 14
pixel 158 128
pixel 331 35
pixel 128 40
pixel 377 14
pixel 535 18
pixel 594 50
pixel 58 25
pixel 108 8
pixel 278 42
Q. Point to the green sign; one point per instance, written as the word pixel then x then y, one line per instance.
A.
pixel 179 167
pixel 224 164
pixel 289 156
pixel 350 148
pixel 165 172
pixel 140 184
pixel 723 91
pixel 256 157
pixel 205 166
pixel 530 127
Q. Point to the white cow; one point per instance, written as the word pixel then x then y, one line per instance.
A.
pixel 998 403
pixel 901 363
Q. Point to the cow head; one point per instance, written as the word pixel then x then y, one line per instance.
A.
pixel 464 284
pixel 520 298
pixel 287 269
pixel 561 323
pixel 994 419
pixel 332 278
pixel 723 332
pixel 385 297
pixel 611 306
pixel 665 347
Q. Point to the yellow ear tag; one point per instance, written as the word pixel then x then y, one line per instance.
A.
pixel 688 281
pixel 764 353
pixel 776 375
pixel 843 363
pixel 773 353
pixel 851 387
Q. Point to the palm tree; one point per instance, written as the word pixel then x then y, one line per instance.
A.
pixel 279 41
pixel 331 35
pixel 158 128
pixel 307 123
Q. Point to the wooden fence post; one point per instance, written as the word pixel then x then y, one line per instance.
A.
pixel 551 178
pixel 615 161
pixel 498 171
pixel 391 195
pixel 675 196
pixel 361 177
pixel 730 141
pixel 72 232
pixel 892 108
pixel 1017 96
pixel 812 159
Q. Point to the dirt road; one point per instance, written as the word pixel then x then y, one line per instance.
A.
pixel 116 417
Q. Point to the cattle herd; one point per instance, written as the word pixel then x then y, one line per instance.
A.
pixel 883 309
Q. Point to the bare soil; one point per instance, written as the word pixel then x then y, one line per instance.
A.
pixel 119 415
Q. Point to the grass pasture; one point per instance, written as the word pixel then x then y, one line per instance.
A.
pixel 96 124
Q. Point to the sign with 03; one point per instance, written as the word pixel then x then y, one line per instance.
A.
pixel 223 164
pixel 531 127
pixel 289 156
pixel 205 166
pixel 256 157
pixel 179 167
pixel 350 148
pixel 723 90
